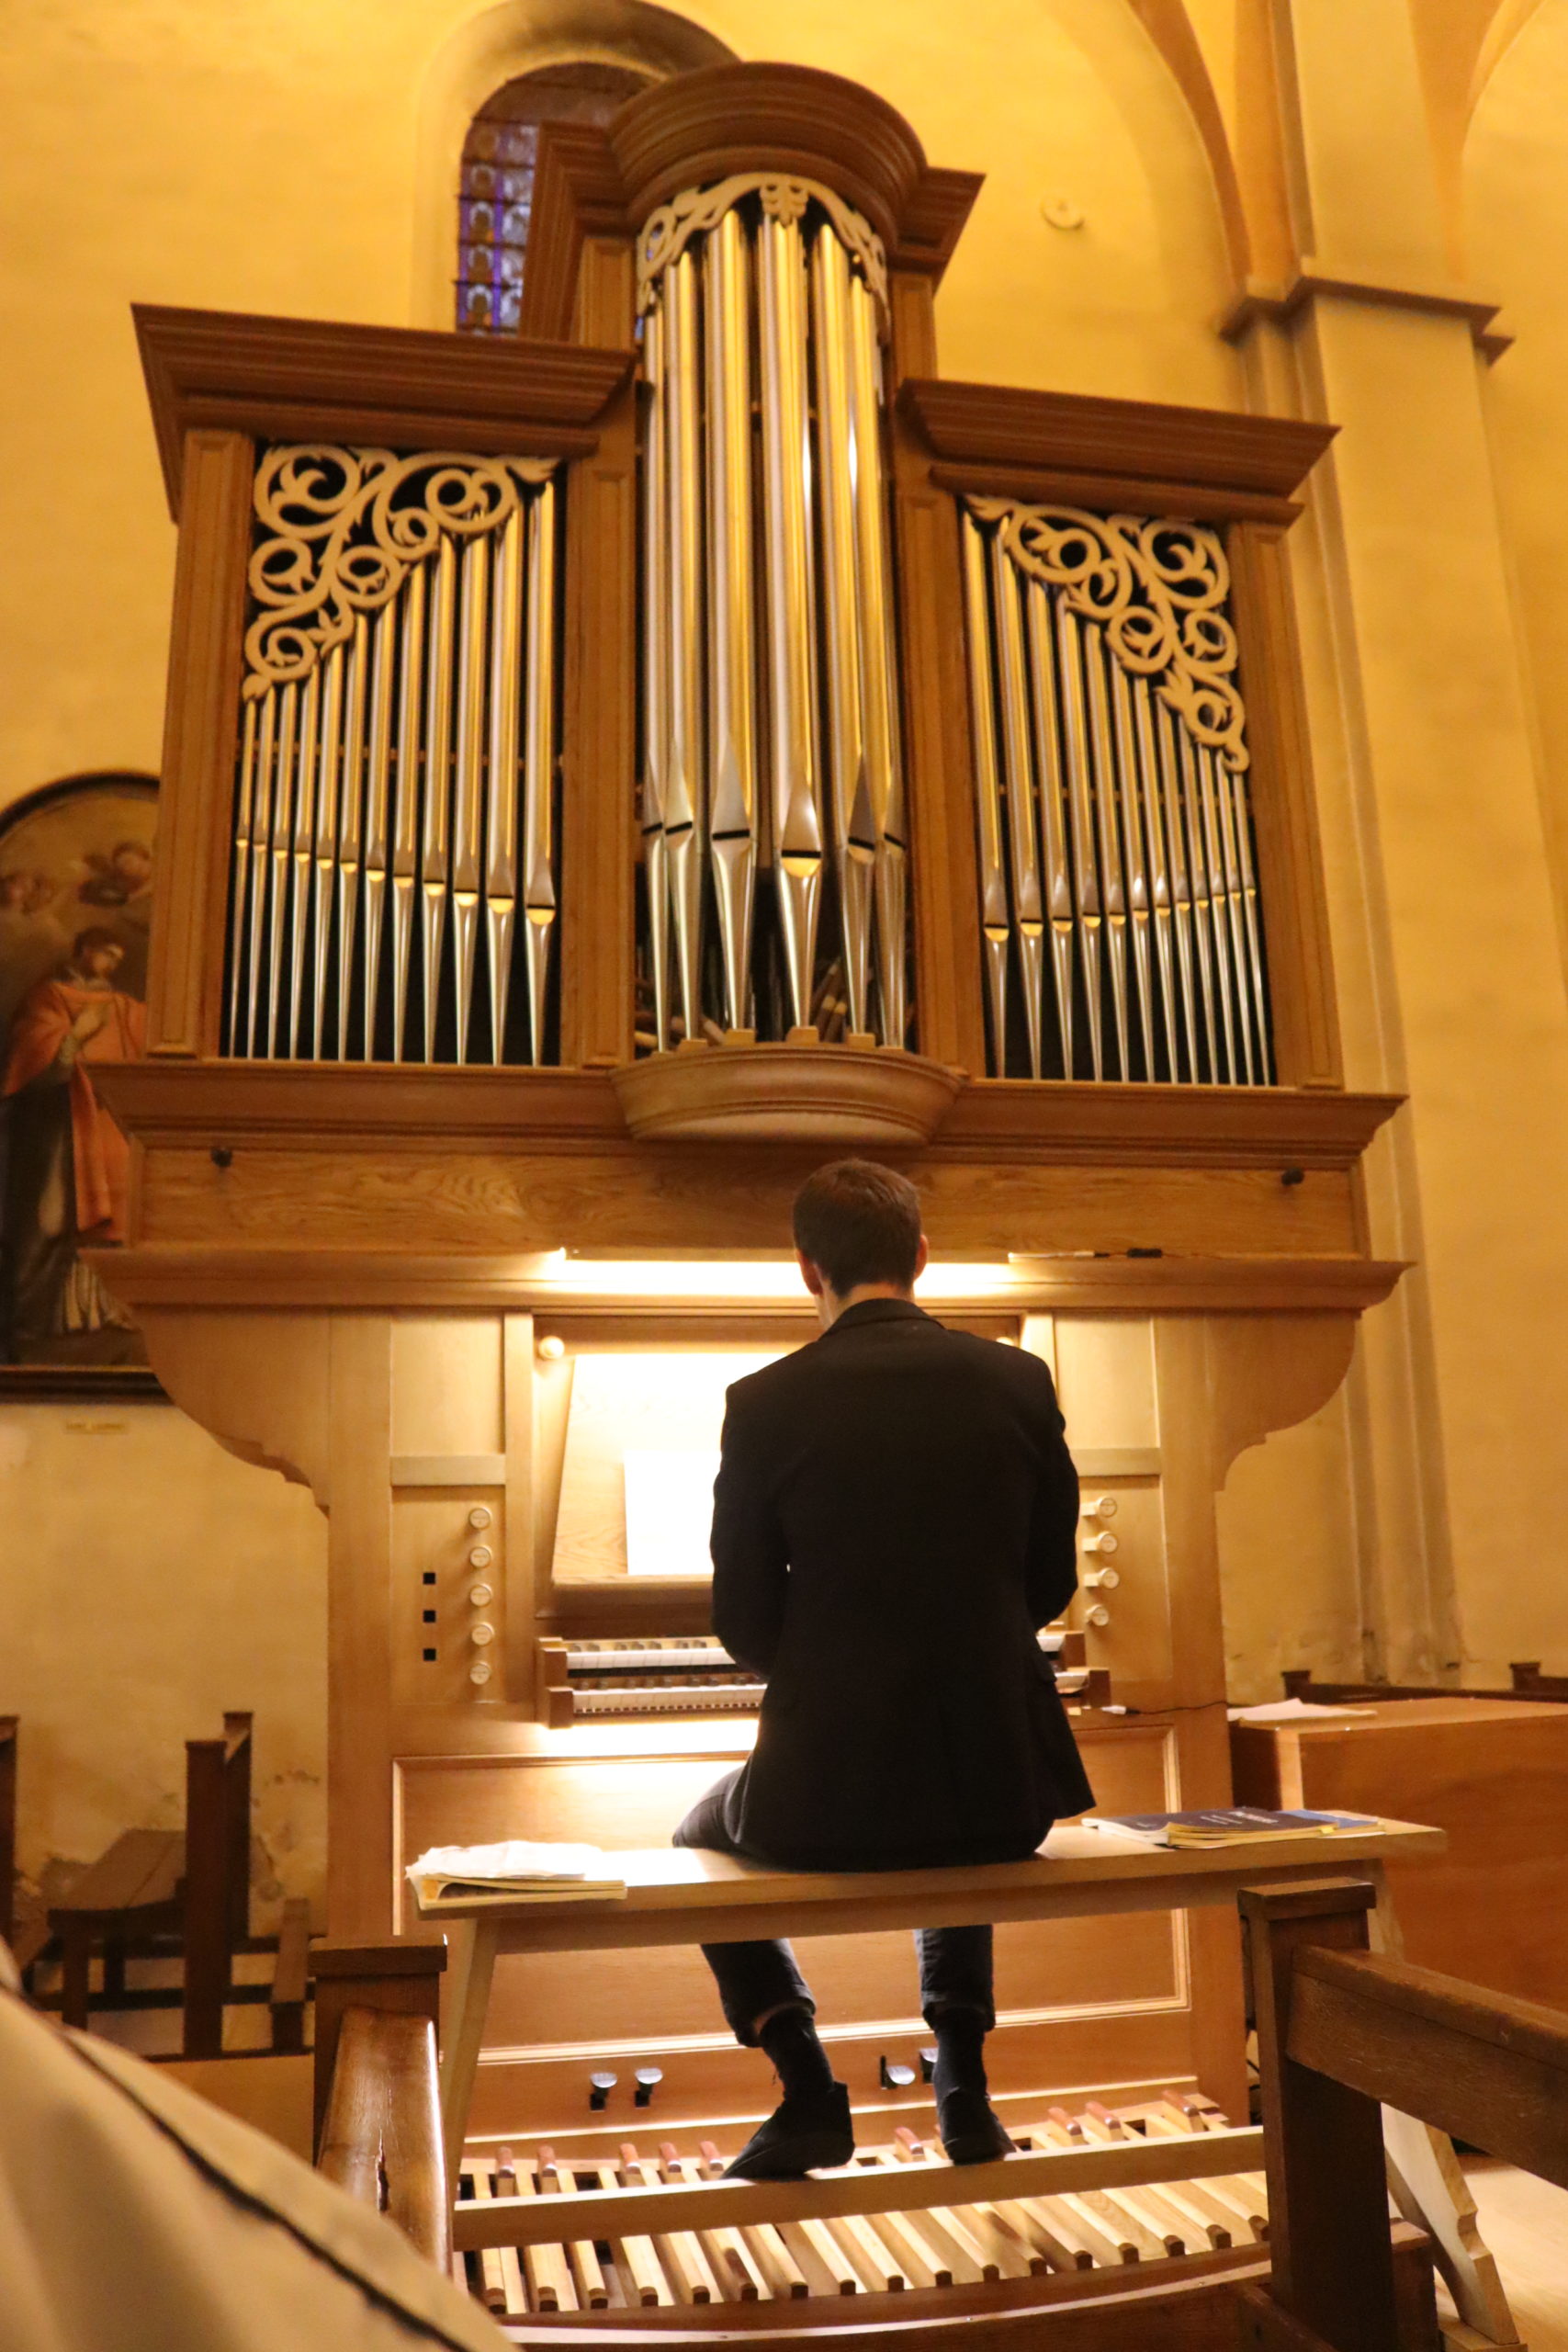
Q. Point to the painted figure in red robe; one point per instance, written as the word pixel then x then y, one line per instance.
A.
pixel 68 1165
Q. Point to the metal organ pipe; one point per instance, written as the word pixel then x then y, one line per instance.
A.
pixel 880 734
pixel 797 829
pixel 996 921
pixel 766 546
pixel 539 764
pixel 854 834
pixel 398 730
pixel 1115 804
pixel 732 760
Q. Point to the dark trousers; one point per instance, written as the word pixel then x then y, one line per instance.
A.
pixel 955 1962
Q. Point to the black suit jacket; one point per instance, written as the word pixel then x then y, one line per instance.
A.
pixel 895 1516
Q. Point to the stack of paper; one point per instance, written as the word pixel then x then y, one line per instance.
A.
pixel 1291 1711
pixel 1237 1826
pixel 510 1872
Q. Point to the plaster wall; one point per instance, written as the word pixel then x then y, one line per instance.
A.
pixel 148 1582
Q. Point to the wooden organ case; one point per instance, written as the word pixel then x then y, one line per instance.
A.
pixel 608 772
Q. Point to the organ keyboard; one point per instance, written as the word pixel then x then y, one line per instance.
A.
pixel 694 1675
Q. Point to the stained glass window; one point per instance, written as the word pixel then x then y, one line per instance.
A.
pixel 495 199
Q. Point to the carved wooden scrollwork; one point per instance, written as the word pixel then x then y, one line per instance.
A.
pixel 1159 590
pixel 667 232
pixel 340 530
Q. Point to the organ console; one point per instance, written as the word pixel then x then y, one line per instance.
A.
pixel 609 771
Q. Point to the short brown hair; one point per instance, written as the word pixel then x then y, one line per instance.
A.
pixel 859 1221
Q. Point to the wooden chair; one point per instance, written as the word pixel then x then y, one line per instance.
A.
pixel 1342 2032
pixel 157 1886
pixel 1526 1681
pixel 8 1733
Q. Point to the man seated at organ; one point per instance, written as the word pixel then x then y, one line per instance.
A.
pixel 893 1518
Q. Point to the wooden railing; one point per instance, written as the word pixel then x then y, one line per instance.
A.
pixel 378 2102
pixel 1341 2034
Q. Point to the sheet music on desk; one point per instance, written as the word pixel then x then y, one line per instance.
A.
pixel 670 1512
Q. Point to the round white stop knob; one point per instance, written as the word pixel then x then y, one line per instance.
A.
pixel 551 1348
pixel 481 1634
pixel 1105 1578
pixel 479 1670
pixel 479 1594
pixel 478 1516
pixel 480 1556
pixel 1097 1616
pixel 1106 1542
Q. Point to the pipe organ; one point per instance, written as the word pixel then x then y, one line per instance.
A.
pixel 608 772
pixel 1117 884
pixel 394 813
pixel 770 715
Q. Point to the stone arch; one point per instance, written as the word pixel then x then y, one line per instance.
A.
pixel 491 49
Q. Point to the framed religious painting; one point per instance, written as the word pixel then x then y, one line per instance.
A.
pixel 77 862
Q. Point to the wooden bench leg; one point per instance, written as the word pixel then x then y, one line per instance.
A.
pixel 1428 2187
pixel 205 1934
pixel 473 1965
pixel 77 1954
pixel 1330 2260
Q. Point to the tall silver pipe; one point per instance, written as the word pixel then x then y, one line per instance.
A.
pixel 1018 766
pixel 386 639
pixel 539 764
pixel 797 829
pixel 324 859
pixel 884 757
pixel 1135 854
pixel 302 852
pixel 1113 889
pixel 685 812
pixel 1234 917
pixel 1054 813
pixel 1081 801
pixel 467 779
pixel 855 826
pixel 656 682
pixel 435 845
pixel 1254 926
pixel 405 795
pixel 1203 920
pixel 282 838
pixel 261 862
pixel 996 922
pixel 351 818
pixel 732 720
pixel 1154 785
pixel 245 819
pixel 506 690
pixel 1214 863
pixel 1168 730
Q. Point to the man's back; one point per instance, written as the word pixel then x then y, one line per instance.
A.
pixel 893 1517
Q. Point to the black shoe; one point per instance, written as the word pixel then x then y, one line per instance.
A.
pixel 971 2130
pixel 801 2135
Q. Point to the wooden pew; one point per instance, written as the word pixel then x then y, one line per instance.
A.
pixel 377 2095
pixel 1343 2033
pixel 1526 1681
pixel 190 1886
pixel 8 1731
pixel 291 1977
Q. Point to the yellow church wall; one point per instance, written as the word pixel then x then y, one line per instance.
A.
pixel 1440 896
